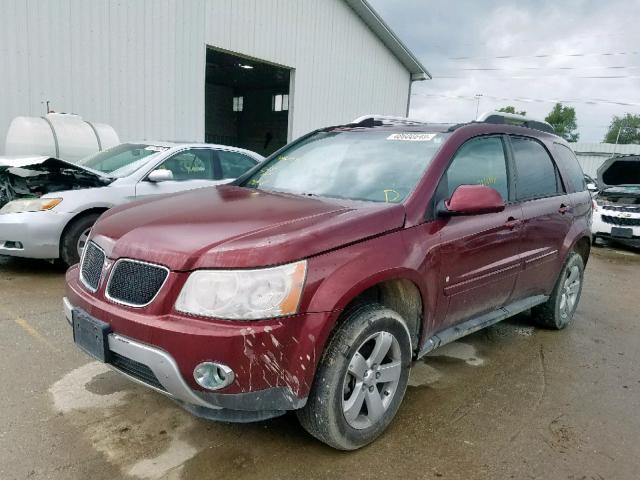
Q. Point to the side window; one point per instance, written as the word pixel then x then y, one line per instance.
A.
pixel 480 161
pixel 571 166
pixel 194 164
pixel 537 175
pixel 234 164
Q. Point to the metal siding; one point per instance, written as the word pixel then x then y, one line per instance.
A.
pixel 139 65
pixel 343 70
pixel 136 65
pixel 592 155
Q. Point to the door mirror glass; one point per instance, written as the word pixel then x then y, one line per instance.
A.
pixel 160 175
pixel 473 200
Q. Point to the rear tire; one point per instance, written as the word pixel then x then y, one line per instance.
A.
pixel 361 379
pixel 558 312
pixel 71 238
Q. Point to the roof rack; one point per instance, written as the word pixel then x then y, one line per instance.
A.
pixel 502 118
pixel 372 120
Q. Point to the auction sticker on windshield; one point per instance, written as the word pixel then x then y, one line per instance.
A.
pixel 412 137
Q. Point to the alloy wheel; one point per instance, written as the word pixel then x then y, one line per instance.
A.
pixel 371 380
pixel 570 291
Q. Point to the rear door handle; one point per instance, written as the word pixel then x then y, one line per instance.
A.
pixel 512 223
pixel 564 209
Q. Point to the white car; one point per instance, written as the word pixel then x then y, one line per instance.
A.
pixel 48 206
pixel 616 214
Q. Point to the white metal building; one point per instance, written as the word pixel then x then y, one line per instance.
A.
pixel 254 73
pixel 592 155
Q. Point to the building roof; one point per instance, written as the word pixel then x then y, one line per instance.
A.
pixel 592 155
pixel 375 22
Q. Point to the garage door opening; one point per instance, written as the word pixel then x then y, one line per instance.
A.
pixel 247 102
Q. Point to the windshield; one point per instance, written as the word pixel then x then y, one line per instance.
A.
pixel 367 165
pixel 121 160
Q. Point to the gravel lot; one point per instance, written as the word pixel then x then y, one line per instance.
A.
pixel 507 402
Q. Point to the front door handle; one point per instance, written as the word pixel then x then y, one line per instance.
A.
pixel 512 223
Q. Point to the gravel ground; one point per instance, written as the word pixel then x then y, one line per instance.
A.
pixel 507 402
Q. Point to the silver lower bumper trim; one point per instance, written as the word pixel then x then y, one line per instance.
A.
pixel 68 308
pixel 161 364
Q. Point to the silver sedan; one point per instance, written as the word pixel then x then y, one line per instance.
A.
pixel 48 206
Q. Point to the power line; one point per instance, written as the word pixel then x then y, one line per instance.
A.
pixel 529 77
pixel 585 101
pixel 505 69
pixel 548 55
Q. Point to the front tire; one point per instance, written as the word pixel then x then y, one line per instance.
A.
pixel 558 312
pixel 74 238
pixel 361 379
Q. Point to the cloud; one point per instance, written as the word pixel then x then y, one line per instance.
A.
pixel 540 39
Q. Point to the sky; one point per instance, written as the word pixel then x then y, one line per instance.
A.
pixel 555 51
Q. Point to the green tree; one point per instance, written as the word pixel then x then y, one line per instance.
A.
pixel 511 109
pixel 563 120
pixel 628 127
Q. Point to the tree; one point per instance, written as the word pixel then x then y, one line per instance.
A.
pixel 511 109
pixel 563 120
pixel 628 127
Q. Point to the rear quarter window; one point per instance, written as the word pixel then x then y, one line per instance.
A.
pixel 536 174
pixel 571 167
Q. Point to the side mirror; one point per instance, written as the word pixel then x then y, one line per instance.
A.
pixel 160 175
pixel 592 187
pixel 473 200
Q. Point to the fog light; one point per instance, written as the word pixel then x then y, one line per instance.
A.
pixel 213 376
pixel 13 245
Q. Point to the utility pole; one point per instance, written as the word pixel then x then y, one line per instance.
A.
pixel 478 95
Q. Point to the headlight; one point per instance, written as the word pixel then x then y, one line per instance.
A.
pixel 244 294
pixel 30 205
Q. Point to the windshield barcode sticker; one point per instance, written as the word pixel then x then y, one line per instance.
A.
pixel 153 148
pixel 412 137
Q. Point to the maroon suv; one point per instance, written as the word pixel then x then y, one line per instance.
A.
pixel 314 281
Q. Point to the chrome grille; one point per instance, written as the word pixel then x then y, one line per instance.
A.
pixel 627 222
pixel 91 268
pixel 135 283
pixel 617 208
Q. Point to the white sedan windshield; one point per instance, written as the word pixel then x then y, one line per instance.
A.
pixel 121 160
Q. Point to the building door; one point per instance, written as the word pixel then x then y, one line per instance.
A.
pixel 247 102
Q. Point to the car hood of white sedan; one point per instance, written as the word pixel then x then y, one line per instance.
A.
pixel 34 176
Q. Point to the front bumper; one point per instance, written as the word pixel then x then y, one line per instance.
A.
pixel 158 370
pixel 36 234
pixel 273 361
pixel 606 227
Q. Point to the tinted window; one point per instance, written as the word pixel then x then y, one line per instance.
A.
pixel 196 164
pixel 536 173
pixel 234 164
pixel 480 161
pixel 571 166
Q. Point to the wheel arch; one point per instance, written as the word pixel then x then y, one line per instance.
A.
pixel 398 289
pixel 582 246
pixel 76 217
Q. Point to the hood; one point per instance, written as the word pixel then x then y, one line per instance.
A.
pixel 22 177
pixel 235 227
pixel 620 171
